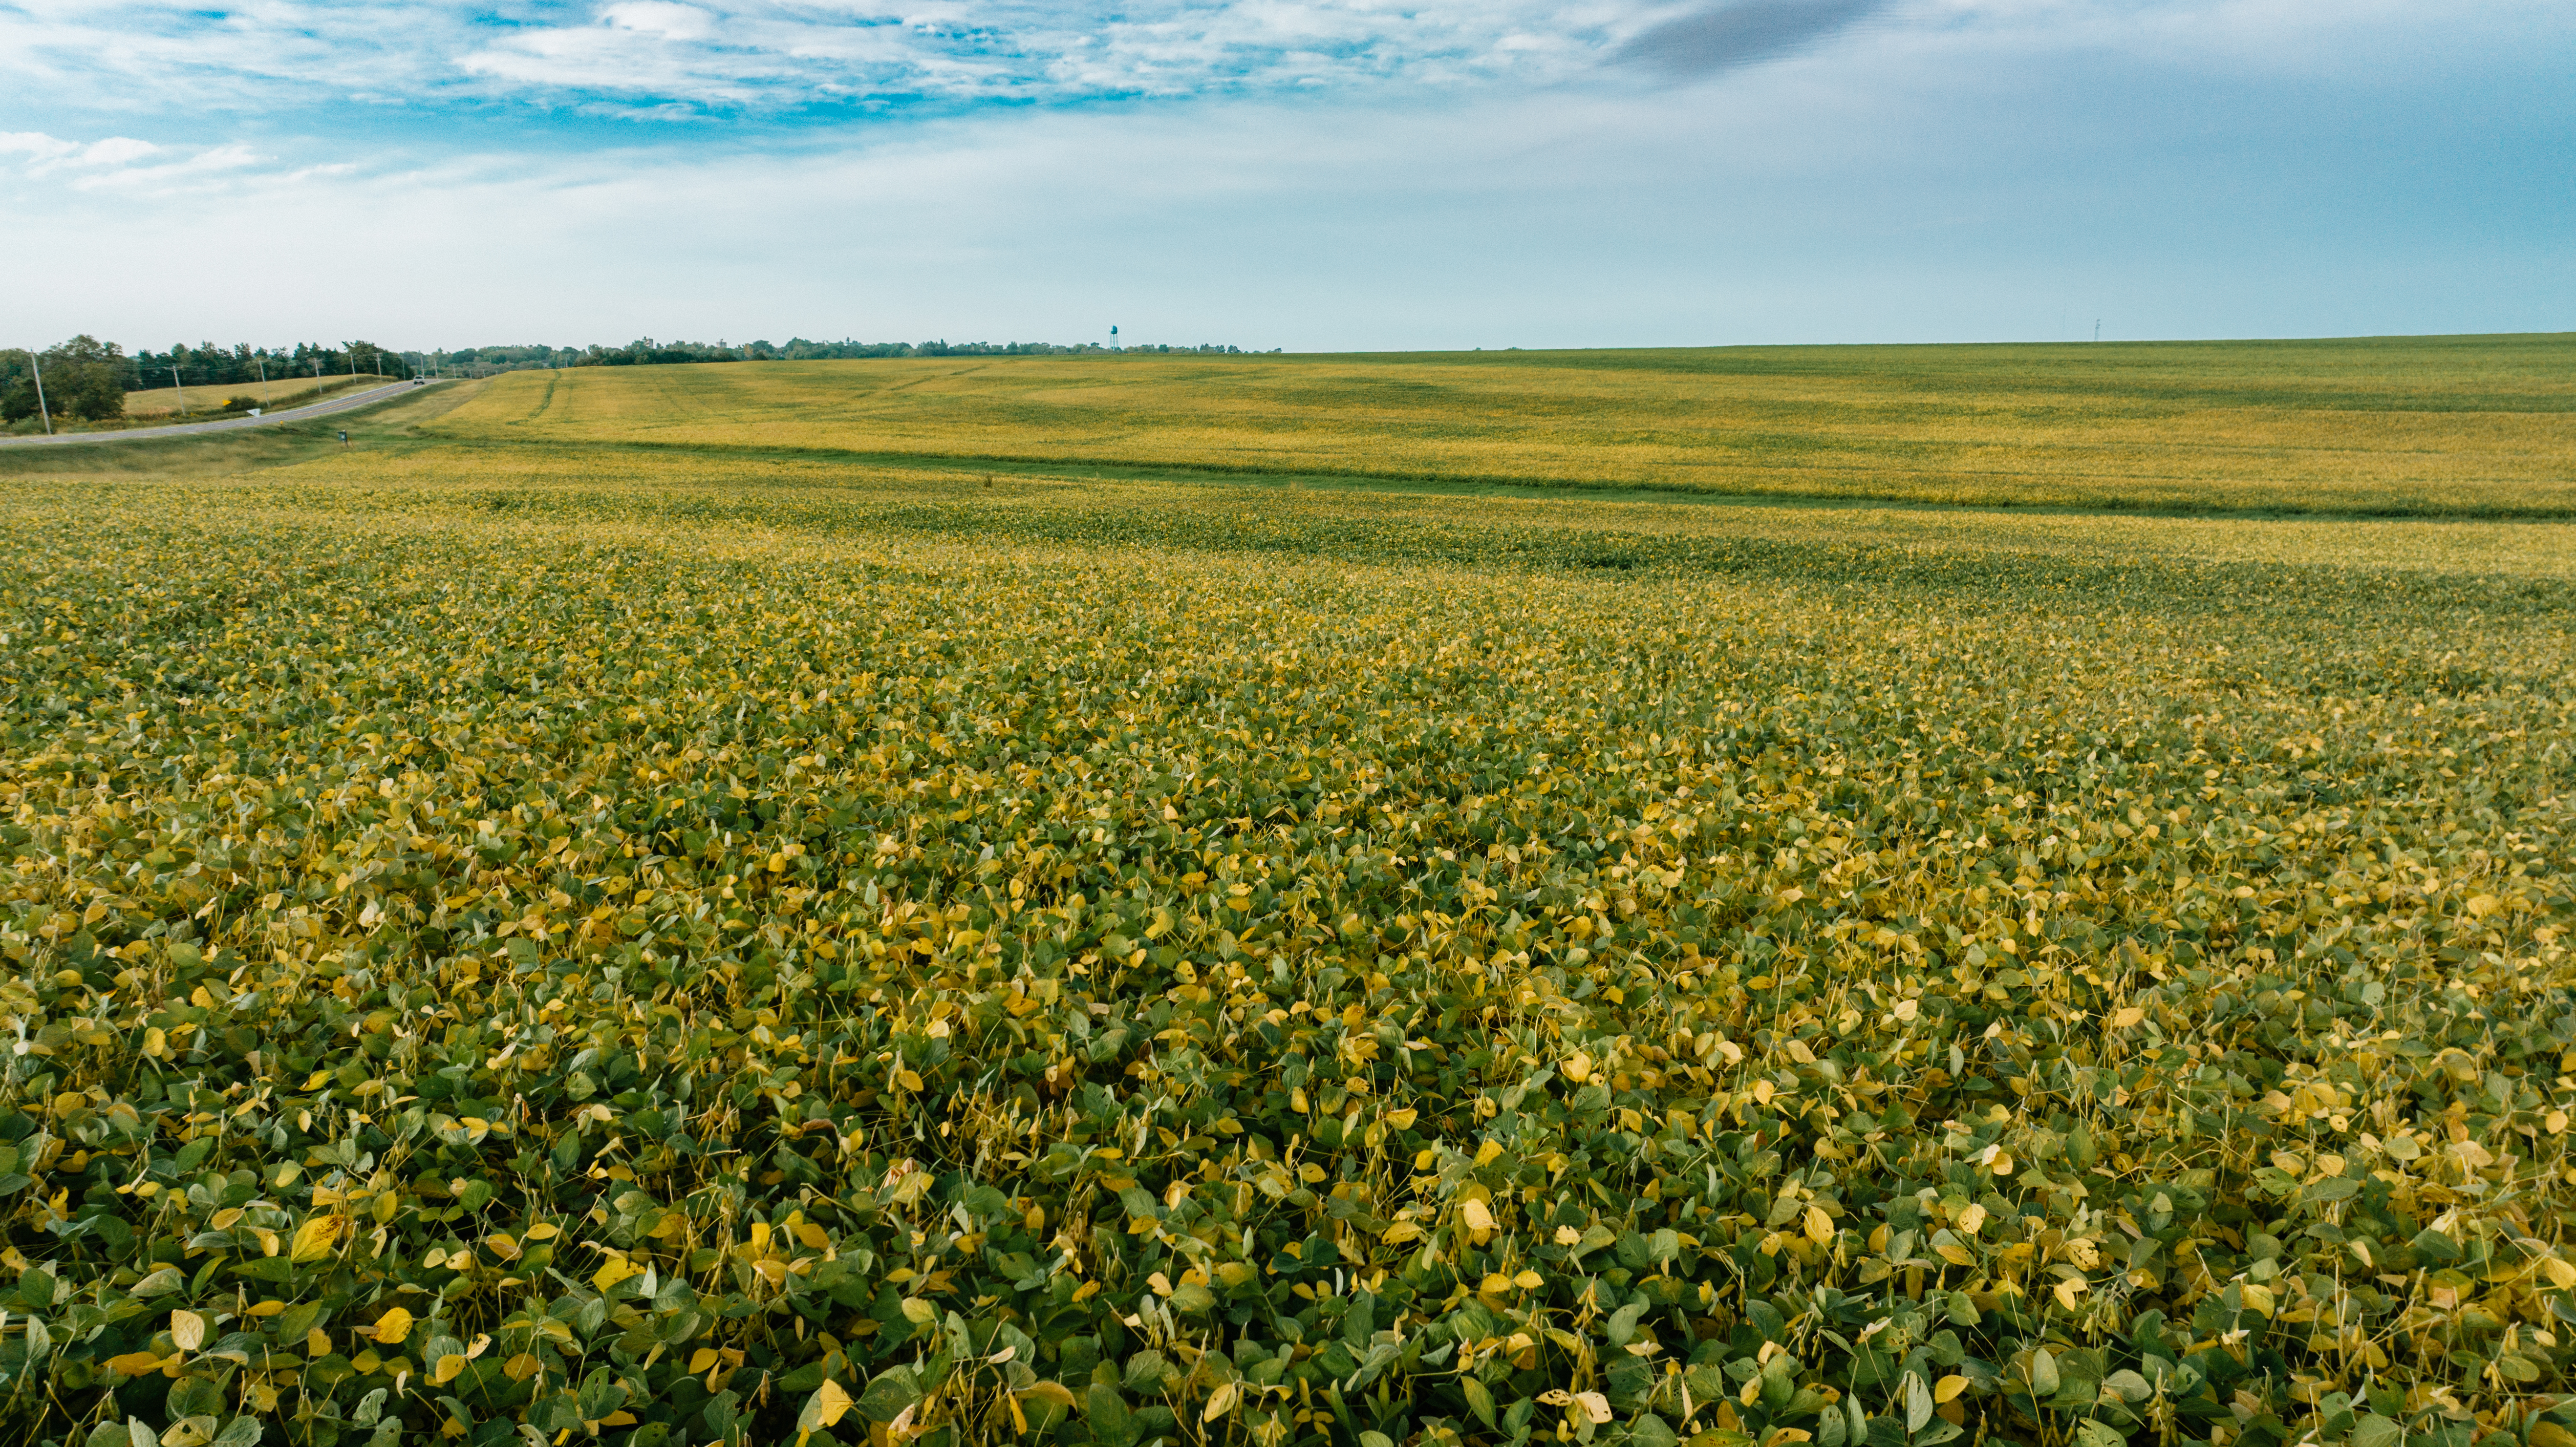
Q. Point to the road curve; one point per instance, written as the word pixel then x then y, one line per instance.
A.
pixel 323 408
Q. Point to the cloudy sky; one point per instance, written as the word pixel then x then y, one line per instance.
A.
pixel 1309 174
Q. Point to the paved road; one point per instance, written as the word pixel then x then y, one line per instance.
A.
pixel 324 408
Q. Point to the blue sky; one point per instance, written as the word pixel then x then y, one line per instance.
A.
pixel 1313 174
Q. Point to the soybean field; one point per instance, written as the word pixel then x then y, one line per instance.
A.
pixel 657 907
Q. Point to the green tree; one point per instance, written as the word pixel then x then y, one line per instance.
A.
pixel 83 378
pixel 365 357
pixel 17 385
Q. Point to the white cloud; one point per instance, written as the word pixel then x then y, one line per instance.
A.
pixel 658 17
pixel 112 164
pixel 646 57
pixel 116 151
pixel 196 171
pixel 49 153
pixel 735 53
pixel 35 143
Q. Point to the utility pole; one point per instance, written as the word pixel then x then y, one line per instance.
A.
pixel 182 391
pixel 41 409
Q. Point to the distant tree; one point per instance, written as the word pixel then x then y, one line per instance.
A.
pixel 366 357
pixel 17 386
pixel 83 378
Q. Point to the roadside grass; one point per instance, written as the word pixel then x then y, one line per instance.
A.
pixel 390 423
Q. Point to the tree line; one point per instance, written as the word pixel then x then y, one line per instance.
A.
pixel 645 351
pixel 86 380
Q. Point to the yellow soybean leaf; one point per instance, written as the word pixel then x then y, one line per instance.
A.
pixel 135 1364
pixel 392 1327
pixel 1820 1227
pixel 1220 1402
pixel 1948 1388
pixel 449 1368
pixel 832 1403
pixel 1488 1153
pixel 525 1365
pixel 1401 1232
pixel 908 1080
pixel 317 1343
pixel 1473 1212
pixel 187 1330
pixel 2123 1019
pixel 2559 1272
pixel 315 1239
